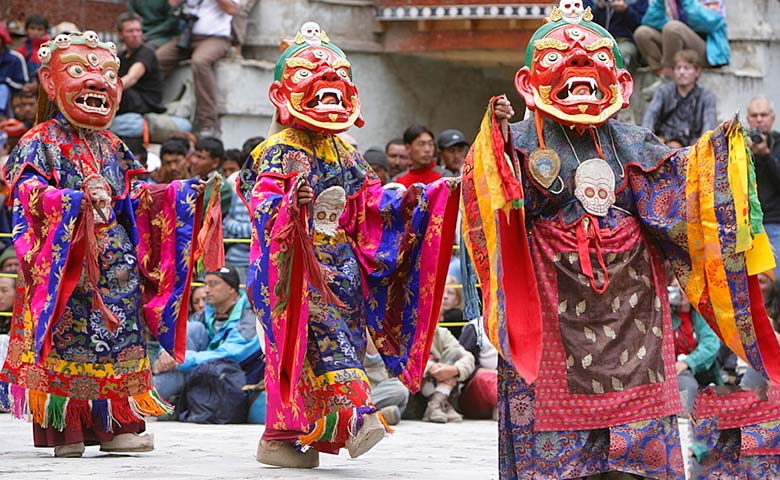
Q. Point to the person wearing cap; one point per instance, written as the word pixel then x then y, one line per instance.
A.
pixel 13 71
pixel 225 329
pixel 453 148
pixel 375 157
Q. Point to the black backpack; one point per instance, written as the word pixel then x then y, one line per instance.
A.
pixel 214 394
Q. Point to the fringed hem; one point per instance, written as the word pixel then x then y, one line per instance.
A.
pixel 338 427
pixel 58 412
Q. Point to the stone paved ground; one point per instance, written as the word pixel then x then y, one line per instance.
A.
pixel 417 450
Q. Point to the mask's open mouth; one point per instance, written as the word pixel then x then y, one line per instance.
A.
pixel 580 89
pixel 93 103
pixel 327 99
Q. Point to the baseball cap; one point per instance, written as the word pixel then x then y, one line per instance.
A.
pixel 450 138
pixel 375 156
pixel 229 274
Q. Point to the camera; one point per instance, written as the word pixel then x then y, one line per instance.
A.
pixel 187 21
pixel 756 135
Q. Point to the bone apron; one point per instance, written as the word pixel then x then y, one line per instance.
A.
pixel 585 214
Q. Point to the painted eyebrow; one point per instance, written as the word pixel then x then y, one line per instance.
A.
pixel 341 62
pixel 74 57
pixel 110 63
pixel 601 42
pixel 300 62
pixel 543 43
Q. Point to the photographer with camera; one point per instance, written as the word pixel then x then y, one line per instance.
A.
pixel 766 157
pixel 620 18
pixel 204 38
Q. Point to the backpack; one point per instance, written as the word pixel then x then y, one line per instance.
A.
pixel 213 394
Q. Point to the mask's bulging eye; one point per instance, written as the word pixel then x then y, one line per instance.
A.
pixel 551 58
pixel 76 71
pixel 301 74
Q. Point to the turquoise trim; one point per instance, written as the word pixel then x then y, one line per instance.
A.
pixel 295 48
pixel 545 30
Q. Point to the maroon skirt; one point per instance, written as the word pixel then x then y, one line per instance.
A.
pixel 51 437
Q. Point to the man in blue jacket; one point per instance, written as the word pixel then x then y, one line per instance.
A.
pixel 226 329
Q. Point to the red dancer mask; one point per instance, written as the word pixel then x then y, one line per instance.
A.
pixel 574 72
pixel 80 74
pixel 313 85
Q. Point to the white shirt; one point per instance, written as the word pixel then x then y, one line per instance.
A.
pixel 212 20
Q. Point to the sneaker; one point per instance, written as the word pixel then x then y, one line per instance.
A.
pixel 284 454
pixel 71 450
pixel 452 414
pixel 129 443
pixel 369 435
pixel 391 414
pixel 434 412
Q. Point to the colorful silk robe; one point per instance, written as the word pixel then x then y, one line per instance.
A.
pixel 67 365
pixel 606 391
pixel 380 267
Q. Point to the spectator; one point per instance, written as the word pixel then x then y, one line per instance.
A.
pixel 24 106
pixel 397 157
pixel 225 329
pixel 209 41
pixel 197 300
pixel 621 18
pixel 204 162
pixel 388 394
pixel 7 296
pixel 453 148
pixel 36 27
pixel 670 26
pixel 65 27
pixel 231 163
pixel 13 71
pixel 138 68
pixel 160 24
pixel 766 158
pixel 695 345
pixel 8 261
pixel 378 160
pixel 420 147
pixel 682 110
pixel 173 160
pixel 479 399
pixel 448 367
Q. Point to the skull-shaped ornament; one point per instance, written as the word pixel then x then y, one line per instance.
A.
pixel 328 208
pixel 594 186
pixel 571 10
pixel 311 33
pixel 91 38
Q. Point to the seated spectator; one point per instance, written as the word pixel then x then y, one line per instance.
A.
pixel 24 107
pixel 224 330
pixel 453 148
pixel 36 28
pixel 397 157
pixel 138 68
pixel 771 293
pixel 421 148
pixel 209 40
pixel 388 394
pixel 231 163
pixel 160 24
pixel 479 398
pixel 197 300
pixel 621 18
pixel 448 367
pixel 670 26
pixel 204 162
pixel 173 160
pixel 378 161
pixel 13 71
pixel 8 261
pixel 682 110
pixel 14 129
pixel 695 345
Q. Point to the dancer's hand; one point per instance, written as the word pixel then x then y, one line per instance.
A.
pixel 453 182
pixel 305 194
pixel 164 363
pixel 503 110
pixel 199 187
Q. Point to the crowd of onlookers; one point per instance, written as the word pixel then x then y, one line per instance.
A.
pixel 673 39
